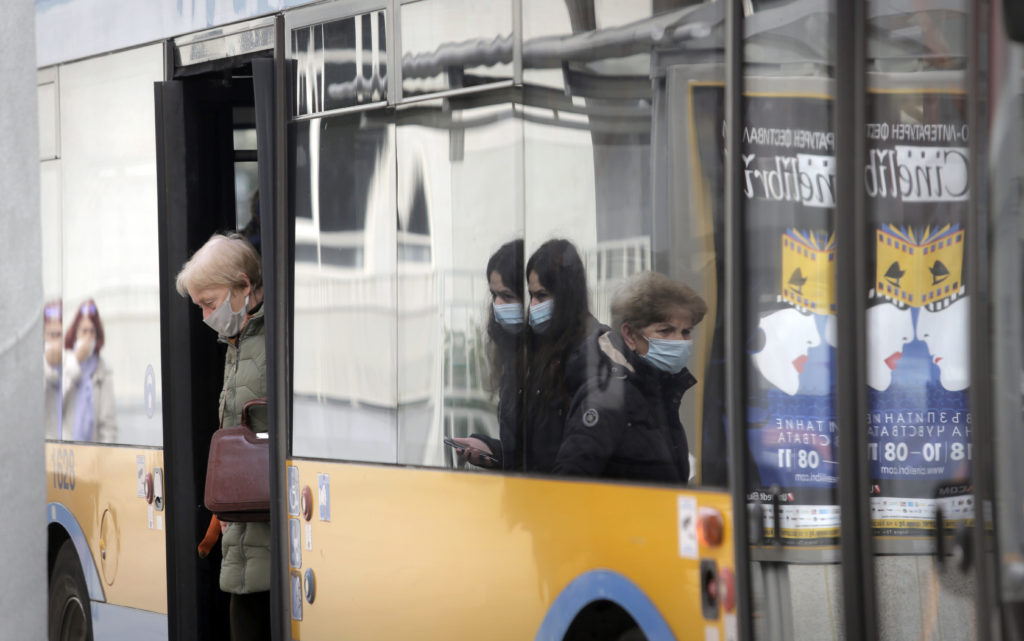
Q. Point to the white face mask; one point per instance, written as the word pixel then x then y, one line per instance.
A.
pixel 224 320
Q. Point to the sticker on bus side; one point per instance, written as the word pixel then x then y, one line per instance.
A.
pixel 323 484
pixel 687 520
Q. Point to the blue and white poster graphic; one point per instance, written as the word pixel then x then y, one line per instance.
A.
pixel 916 180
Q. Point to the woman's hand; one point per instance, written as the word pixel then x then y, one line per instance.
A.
pixel 83 349
pixel 54 351
pixel 474 451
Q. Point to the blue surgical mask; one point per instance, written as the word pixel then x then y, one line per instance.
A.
pixel 509 316
pixel 668 355
pixel 226 321
pixel 540 315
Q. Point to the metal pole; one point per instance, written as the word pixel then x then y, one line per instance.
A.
pixel 978 288
pixel 735 314
pixel 858 570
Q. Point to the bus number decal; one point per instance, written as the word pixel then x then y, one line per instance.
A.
pixel 62 461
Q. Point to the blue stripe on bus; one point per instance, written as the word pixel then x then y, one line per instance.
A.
pixel 598 585
pixel 115 622
pixel 57 513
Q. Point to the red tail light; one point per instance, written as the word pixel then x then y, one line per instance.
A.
pixel 710 527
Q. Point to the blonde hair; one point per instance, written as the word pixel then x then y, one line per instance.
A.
pixel 220 262
pixel 650 297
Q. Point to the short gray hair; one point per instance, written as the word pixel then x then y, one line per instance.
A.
pixel 220 263
pixel 649 297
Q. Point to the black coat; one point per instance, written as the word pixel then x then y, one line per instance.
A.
pixel 624 420
pixel 531 435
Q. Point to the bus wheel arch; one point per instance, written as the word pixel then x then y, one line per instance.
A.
pixel 69 615
pixel 603 604
pixel 604 619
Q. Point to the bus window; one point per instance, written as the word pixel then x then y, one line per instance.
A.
pixel 607 157
pixel 1007 314
pixel 345 396
pixel 110 276
pixel 433 32
pixel 340 63
pixel 247 203
pixel 917 181
pixel 459 201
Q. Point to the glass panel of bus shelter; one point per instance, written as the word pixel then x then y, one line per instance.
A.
pixel 605 139
pixel 917 183
pixel 111 286
pixel 788 195
pixel 459 204
pixel 341 63
pixel 342 195
pixel 453 44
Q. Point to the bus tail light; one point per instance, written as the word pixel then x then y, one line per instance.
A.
pixel 727 588
pixel 710 527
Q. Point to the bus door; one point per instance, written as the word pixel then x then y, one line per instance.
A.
pixel 215 151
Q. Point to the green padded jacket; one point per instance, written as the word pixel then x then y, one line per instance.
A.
pixel 245 546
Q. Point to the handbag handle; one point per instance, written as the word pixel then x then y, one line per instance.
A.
pixel 245 409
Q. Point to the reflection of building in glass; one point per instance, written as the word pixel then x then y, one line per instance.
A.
pixel 609 265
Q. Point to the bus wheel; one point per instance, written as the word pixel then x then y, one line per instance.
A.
pixel 70 618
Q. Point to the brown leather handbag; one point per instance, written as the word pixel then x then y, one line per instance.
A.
pixel 237 472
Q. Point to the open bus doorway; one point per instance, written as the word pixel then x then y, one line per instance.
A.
pixel 208 167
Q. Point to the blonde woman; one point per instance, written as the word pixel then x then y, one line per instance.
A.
pixel 225 279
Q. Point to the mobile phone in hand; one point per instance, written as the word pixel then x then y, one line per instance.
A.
pixel 452 443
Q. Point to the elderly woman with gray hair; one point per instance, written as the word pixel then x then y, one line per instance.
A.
pixel 624 421
pixel 225 279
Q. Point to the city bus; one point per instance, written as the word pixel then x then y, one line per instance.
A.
pixel 839 181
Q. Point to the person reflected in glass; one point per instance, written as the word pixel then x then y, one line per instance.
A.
pixel 505 335
pixel 87 383
pixel 225 279
pixel 624 421
pixel 53 353
pixel 558 324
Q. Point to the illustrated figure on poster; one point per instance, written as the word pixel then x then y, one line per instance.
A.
pixel 788 336
pixel 889 328
pixel 785 336
pixel 945 331
pixel 918 267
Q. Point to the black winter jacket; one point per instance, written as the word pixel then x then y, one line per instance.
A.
pixel 624 420
pixel 530 436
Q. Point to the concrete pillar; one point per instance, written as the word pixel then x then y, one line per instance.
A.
pixel 23 589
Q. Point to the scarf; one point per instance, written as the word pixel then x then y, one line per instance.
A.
pixel 85 414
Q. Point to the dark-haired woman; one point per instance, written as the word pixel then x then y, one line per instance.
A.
pixel 505 336
pixel 624 422
pixel 88 384
pixel 558 325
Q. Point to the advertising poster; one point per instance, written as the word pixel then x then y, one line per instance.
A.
pixel 916 180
